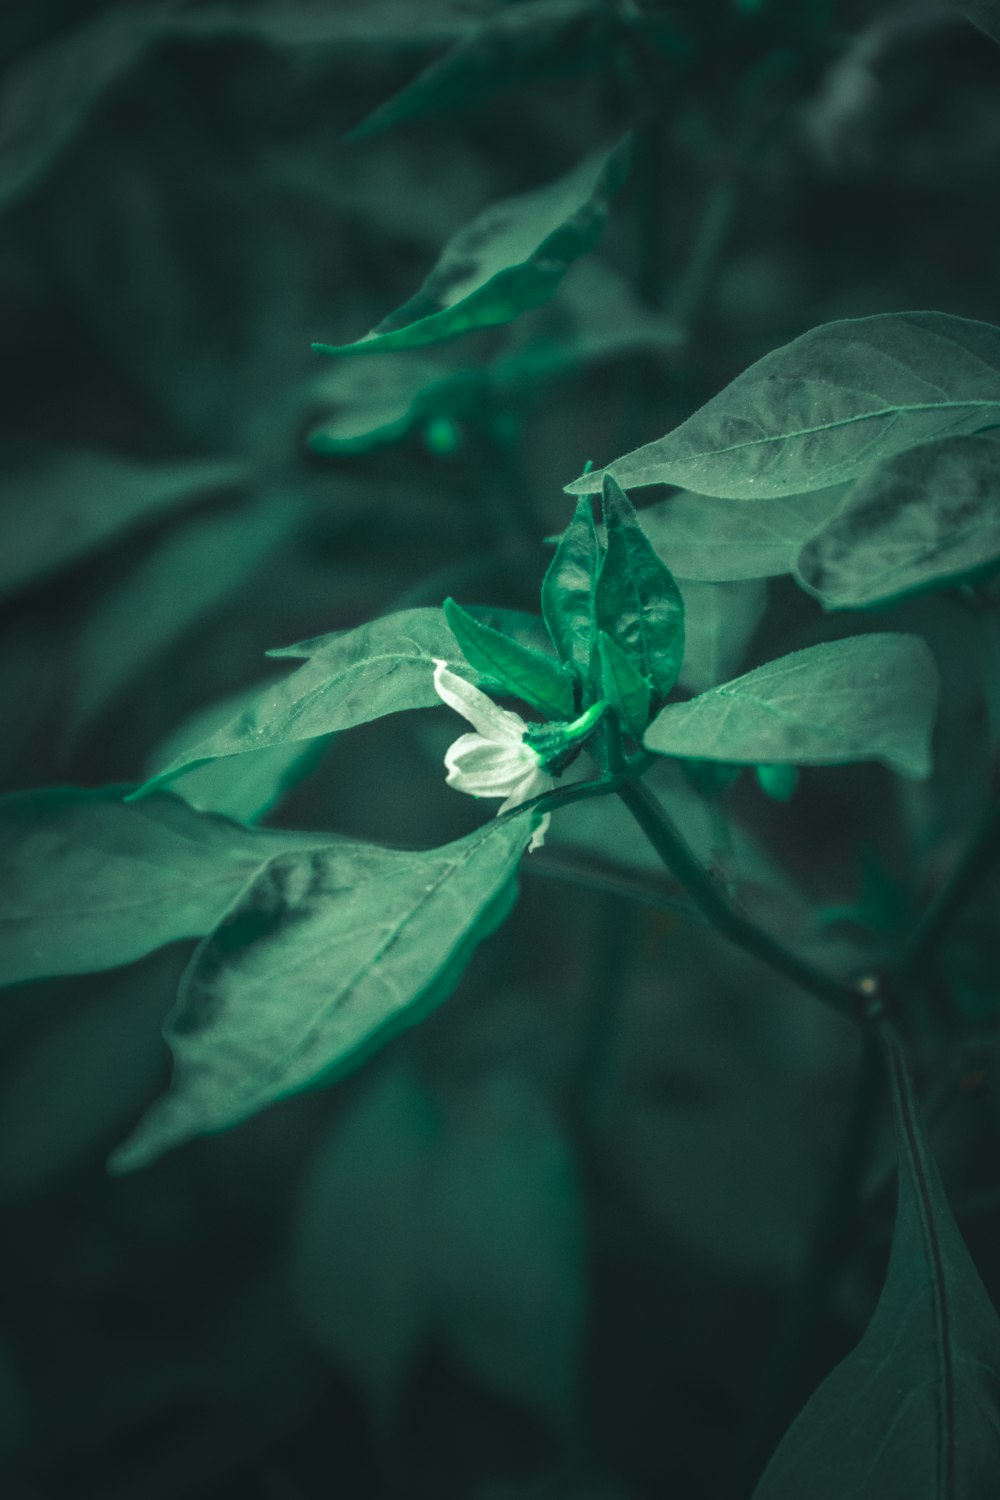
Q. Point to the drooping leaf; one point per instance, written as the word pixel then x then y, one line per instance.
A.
pixel 89 882
pixel 348 678
pixel 723 541
pixel 529 675
pixel 568 590
pixel 191 572
pixel 622 684
pixel 868 697
pixel 507 1247
pixel 913 1412
pixel 506 50
pixel 511 257
pixel 827 408
pixel 60 504
pixel 323 953
pixel 919 521
pixel 719 622
pixel 636 599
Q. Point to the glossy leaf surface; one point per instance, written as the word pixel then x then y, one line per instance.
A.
pixel 869 697
pixel 568 590
pixel 636 599
pixel 323 951
pixel 516 668
pixel 827 408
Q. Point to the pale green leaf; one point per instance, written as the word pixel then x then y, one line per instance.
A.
pixel 913 1412
pixel 88 881
pixel 868 697
pixel 719 622
pixel 722 541
pixel 919 521
pixel 827 408
pixel 323 953
pixel 511 257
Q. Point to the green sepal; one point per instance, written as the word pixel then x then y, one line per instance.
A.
pixel 636 599
pixel 556 745
pixel 568 590
pixel 518 670
pixel 623 684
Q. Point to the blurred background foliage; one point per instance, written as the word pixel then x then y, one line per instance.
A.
pixel 547 1243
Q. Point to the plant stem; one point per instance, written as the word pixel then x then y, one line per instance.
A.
pixel 612 880
pixel 722 912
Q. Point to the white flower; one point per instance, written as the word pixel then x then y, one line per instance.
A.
pixel 495 761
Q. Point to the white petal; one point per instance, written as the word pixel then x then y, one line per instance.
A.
pixel 530 785
pixel 540 830
pixel 493 723
pixel 483 768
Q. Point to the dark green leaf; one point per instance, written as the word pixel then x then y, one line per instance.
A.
pixel 88 881
pixel 323 953
pixel 371 25
pixel 982 13
pixel 920 521
pixel 913 1413
pixel 349 678
pixel 568 590
pixel 719 622
pixel 827 408
pixel 511 257
pixel 869 697
pixel 622 684
pixel 636 599
pixel 507 49
pixel 722 541
pixel 61 504
pixel 520 670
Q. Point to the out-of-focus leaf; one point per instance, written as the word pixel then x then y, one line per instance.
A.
pixel 511 257
pixel 191 572
pixel 88 881
pixel 507 1251
pixel 349 678
pixel 59 504
pixel 982 13
pixel 374 24
pixel 244 787
pixel 531 676
pixel 375 401
pixel 913 1413
pixel 359 1235
pixel 321 955
pixel 722 541
pixel 636 599
pixel 517 44
pixel 826 408
pixel 719 622
pixel 869 697
pixel 921 520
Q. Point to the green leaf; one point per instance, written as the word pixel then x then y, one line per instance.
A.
pixel 89 882
pixel 636 599
pixel 507 1246
pixel 827 408
pixel 379 400
pixel 920 521
pixel 869 697
pixel 185 577
pixel 349 678
pixel 520 670
pixel 623 685
pixel 719 623
pixel 326 953
pixel 912 1412
pixel 723 541
pixel 511 257
pixel 568 591
pixel 62 504
pixel 506 50
pixel 982 13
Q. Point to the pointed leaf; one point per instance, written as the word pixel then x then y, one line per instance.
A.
pixel 518 669
pixel 568 590
pixel 349 678
pixel 88 881
pixel 869 697
pixel 636 599
pixel 511 257
pixel 913 1413
pixel 723 541
pixel 827 408
pixel 920 521
pixel 319 956
pixel 623 685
